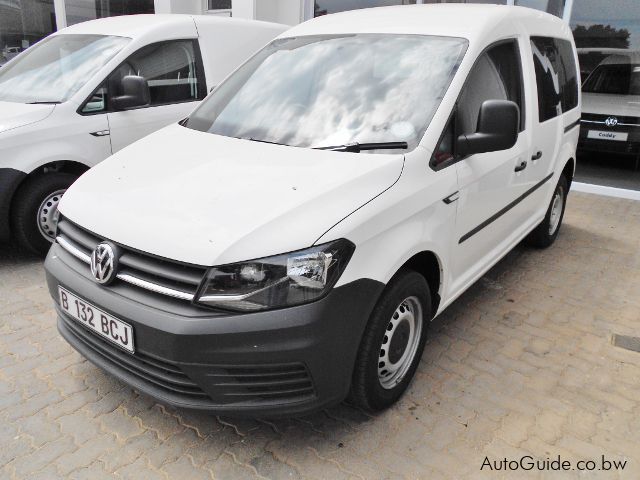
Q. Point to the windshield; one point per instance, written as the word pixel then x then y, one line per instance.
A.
pixel 325 91
pixel 614 79
pixel 53 70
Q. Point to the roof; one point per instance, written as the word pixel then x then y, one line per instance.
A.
pixel 136 26
pixel 469 21
pixel 132 26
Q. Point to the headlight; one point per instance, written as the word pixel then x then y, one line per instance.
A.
pixel 276 282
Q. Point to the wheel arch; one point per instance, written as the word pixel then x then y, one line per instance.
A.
pixel 429 266
pixel 569 170
pixel 65 166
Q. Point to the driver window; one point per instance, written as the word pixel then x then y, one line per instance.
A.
pixel 495 76
pixel 171 69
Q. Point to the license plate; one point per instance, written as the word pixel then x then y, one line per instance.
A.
pixel 616 136
pixel 105 325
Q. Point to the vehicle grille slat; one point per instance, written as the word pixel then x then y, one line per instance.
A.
pixel 173 280
pixel 138 365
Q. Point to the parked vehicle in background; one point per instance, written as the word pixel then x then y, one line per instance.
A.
pixel 10 52
pixel 89 90
pixel 611 106
pixel 291 240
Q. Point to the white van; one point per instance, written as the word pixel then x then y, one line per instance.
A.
pixel 291 241
pixel 89 90
pixel 611 105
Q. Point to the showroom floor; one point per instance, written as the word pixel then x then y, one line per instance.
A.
pixel 610 171
pixel 522 364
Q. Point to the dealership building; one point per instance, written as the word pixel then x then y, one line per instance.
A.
pixel 23 22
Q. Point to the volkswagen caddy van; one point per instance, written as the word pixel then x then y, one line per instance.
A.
pixel 289 243
pixel 89 90
pixel 611 105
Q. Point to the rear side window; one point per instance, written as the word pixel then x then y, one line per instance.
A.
pixel 556 76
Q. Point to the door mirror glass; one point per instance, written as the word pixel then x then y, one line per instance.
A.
pixel 498 125
pixel 135 93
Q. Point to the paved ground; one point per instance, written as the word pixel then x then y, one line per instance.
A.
pixel 523 364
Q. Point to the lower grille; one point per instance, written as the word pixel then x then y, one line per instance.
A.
pixel 239 385
pixel 277 383
pixel 160 374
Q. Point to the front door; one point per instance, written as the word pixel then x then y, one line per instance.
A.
pixel 491 184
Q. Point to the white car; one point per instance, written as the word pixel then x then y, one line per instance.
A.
pixel 89 90
pixel 291 241
pixel 611 104
pixel 10 52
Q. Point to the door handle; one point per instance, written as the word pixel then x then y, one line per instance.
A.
pixel 101 133
pixel 537 156
pixel 521 166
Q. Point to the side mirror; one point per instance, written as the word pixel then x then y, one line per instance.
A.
pixel 135 93
pixel 498 125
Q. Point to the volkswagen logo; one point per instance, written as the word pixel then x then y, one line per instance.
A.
pixel 104 263
pixel 611 122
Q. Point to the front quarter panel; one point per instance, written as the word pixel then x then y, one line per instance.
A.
pixel 408 218
pixel 64 135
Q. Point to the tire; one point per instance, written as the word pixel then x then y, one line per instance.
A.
pixel 371 388
pixel 26 226
pixel 546 233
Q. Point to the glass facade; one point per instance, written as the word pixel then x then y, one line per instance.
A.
pixel 22 23
pixel 82 10
pixel 324 7
pixel 607 35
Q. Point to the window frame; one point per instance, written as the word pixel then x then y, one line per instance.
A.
pixel 216 11
pixel 200 71
pixel 515 40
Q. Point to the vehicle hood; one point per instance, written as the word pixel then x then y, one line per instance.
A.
pixel 605 104
pixel 14 115
pixel 209 200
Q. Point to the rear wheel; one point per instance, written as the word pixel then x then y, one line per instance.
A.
pixel 392 343
pixel 35 210
pixel 547 232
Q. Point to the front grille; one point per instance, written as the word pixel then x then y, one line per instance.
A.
pixel 275 383
pixel 624 121
pixel 158 374
pixel 162 276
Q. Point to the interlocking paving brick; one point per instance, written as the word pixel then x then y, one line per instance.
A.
pixel 522 364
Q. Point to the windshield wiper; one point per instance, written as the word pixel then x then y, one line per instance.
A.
pixel 359 147
pixel 50 102
pixel 265 141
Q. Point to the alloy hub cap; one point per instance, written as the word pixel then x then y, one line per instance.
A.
pixel 48 214
pixel 556 210
pixel 400 343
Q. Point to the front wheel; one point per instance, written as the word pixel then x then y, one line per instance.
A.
pixel 392 343
pixel 35 210
pixel 547 232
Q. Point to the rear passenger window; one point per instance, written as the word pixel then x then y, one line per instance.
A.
pixel 556 76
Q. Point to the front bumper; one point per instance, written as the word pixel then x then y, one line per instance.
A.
pixel 10 179
pixel 279 362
